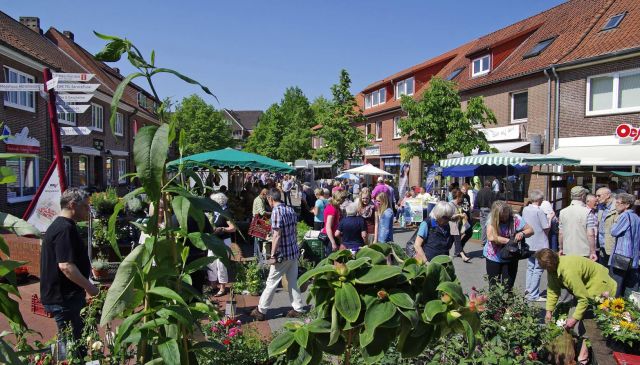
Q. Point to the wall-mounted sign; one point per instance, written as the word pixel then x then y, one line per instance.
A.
pixel 20 142
pixel 628 132
pixel 98 144
pixel 75 131
pixel 372 151
pixel 502 133
pixel 10 86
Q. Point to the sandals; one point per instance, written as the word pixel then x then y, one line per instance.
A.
pixel 220 293
pixel 467 260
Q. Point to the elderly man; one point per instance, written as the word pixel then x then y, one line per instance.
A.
pixel 607 215
pixel 577 227
pixel 537 219
pixel 65 265
pixel 380 188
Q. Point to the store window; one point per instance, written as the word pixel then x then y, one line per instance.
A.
pixel 83 171
pixel 26 171
pixel 519 107
pixel 369 131
pixel 109 170
pixel 67 170
pixel 122 170
pixel 24 100
pixel 392 165
pixel 613 93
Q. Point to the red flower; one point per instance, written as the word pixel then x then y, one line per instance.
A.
pixel 226 342
pixel 533 356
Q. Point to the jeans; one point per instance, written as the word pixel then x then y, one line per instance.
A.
pixel 484 214
pixel 69 314
pixel 553 235
pixel 534 272
pixel 504 272
pixel 627 281
pixel 288 269
pixel 287 198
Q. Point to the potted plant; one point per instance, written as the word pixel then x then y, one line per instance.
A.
pixel 105 202
pixel 99 268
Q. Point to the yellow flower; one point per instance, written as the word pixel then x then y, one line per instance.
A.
pixel 628 325
pixel 605 305
pixel 617 305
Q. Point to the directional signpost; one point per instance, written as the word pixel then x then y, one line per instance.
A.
pixel 74 98
pixel 85 88
pixel 75 131
pixel 62 107
pixel 20 87
pixel 73 76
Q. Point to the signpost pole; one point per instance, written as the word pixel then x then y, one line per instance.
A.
pixel 55 131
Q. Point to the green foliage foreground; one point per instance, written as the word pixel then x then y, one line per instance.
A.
pixel 363 302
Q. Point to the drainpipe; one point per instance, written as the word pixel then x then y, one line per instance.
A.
pixel 130 164
pixel 547 143
pixel 557 106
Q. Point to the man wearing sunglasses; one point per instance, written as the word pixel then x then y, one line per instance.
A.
pixel 607 215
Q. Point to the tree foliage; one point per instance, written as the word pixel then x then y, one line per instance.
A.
pixel 205 128
pixel 341 139
pixel 284 130
pixel 436 125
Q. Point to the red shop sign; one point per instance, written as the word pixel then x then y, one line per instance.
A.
pixel 628 131
pixel 16 148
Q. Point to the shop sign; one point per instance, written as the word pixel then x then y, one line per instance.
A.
pixel 628 132
pixel 47 206
pixel 372 151
pixel 502 133
pixel 20 142
pixel 98 144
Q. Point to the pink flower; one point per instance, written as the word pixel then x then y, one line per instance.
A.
pixel 214 329
pixel 533 356
pixel 233 332
pixel 477 301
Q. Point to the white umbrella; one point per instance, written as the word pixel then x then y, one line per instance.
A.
pixel 368 169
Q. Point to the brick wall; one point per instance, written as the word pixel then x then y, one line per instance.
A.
pixel 573 93
pixel 24 249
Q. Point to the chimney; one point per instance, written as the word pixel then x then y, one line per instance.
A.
pixel 117 70
pixel 68 34
pixel 32 22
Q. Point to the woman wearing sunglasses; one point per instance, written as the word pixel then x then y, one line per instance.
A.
pixel 434 235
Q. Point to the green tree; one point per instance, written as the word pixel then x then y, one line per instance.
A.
pixel 205 128
pixel 341 139
pixel 436 125
pixel 284 130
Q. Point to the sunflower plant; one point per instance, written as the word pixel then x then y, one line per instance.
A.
pixel 618 319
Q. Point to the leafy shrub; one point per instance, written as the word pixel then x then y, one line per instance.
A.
pixel 250 277
pixel 239 345
pixel 105 202
pixel 303 228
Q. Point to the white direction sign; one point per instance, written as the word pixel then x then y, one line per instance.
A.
pixel 75 98
pixel 52 84
pixel 9 86
pixel 66 108
pixel 75 131
pixel 87 88
pixel 73 76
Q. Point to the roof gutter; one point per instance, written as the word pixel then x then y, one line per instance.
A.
pixel 557 107
pixel 596 60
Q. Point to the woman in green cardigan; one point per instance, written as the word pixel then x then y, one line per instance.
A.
pixel 582 277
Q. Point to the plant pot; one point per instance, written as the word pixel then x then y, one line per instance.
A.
pixel 255 294
pixel 100 273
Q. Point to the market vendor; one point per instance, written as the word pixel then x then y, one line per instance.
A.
pixel 582 277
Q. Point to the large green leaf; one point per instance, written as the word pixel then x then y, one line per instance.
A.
pixel 115 101
pixel 281 343
pixel 167 294
pixel 184 78
pixel 375 256
pixel 181 207
pixel 10 309
pixel 401 299
pixel 121 295
pixel 150 154
pixel 8 355
pixel 348 302
pixel 125 328
pixel 376 315
pixel 315 271
pixel 433 308
pixel 4 248
pixel 334 335
pixel 111 226
pixel 169 351
pixel 7 176
pixel 470 335
pixel 301 335
pixel 17 226
pixel 378 273
pixel 413 346
pixel 454 291
pixel 354 264
pixel 319 326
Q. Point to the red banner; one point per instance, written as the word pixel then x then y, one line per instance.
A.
pixel 16 148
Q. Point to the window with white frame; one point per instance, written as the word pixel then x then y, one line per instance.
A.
pixel 369 130
pixel 396 128
pixel 405 87
pixel 97 117
pixel 122 170
pixel 67 117
pixel 379 130
pixel 27 179
pixel 83 171
pixel 481 65
pixel 24 100
pixel 613 93
pixel 67 170
pixel 119 125
pixel 519 106
pixel 109 170
pixel 375 98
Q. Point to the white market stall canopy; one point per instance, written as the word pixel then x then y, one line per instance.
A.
pixel 620 155
pixel 508 158
pixel 367 169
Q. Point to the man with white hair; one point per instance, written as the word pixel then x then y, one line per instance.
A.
pixel 223 228
pixel 352 229
pixel 607 215
pixel 537 219
pixel 577 227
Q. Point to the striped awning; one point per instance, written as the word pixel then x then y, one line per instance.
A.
pixel 506 159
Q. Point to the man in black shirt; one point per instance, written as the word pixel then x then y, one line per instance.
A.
pixel 483 202
pixel 65 265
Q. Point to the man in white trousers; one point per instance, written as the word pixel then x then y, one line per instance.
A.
pixel 284 258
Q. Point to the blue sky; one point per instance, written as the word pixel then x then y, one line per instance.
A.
pixel 249 52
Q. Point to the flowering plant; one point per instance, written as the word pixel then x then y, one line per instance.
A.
pixel 618 319
pixel 238 345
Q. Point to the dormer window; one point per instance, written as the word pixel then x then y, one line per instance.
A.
pixel 614 21
pixel 538 48
pixel 142 100
pixel 375 98
pixel 455 73
pixel 405 87
pixel 481 65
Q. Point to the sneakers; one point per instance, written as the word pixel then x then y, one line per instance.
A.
pixel 294 314
pixel 257 315
pixel 538 299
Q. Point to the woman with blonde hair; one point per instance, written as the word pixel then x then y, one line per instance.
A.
pixel 223 229
pixel 367 210
pixel 384 219
pixel 502 227
pixel 332 218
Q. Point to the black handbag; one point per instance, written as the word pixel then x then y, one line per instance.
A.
pixel 620 262
pixel 515 250
pixel 410 249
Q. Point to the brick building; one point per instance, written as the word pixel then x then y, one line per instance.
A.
pixel 242 123
pixel 516 70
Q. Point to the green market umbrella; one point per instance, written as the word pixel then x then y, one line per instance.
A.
pixel 508 158
pixel 232 159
